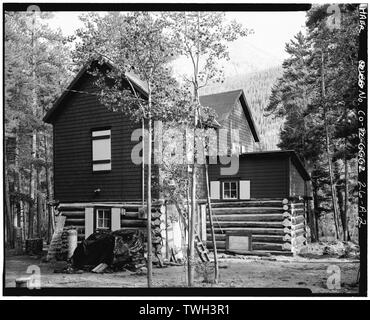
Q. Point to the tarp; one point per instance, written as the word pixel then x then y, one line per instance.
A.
pixel 118 249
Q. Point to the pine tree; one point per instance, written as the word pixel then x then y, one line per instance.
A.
pixel 36 68
pixel 317 97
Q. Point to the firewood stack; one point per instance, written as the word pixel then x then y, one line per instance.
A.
pixel 128 249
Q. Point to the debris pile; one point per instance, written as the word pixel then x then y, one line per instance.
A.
pixel 110 251
pixel 128 250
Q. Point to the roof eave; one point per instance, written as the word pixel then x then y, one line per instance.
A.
pixel 250 119
pixel 48 118
pixel 299 165
pixel 291 154
pixel 49 114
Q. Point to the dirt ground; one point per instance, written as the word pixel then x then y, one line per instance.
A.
pixel 240 271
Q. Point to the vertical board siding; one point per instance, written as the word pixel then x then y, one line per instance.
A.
pixel 297 184
pixel 238 120
pixel 74 178
pixel 268 176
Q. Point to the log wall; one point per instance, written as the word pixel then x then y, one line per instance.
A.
pixel 276 225
pixel 133 217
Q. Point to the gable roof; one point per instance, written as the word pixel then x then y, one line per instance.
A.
pixel 223 104
pixel 55 109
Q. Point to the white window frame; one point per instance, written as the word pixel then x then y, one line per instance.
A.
pixel 236 189
pixel 107 216
pixel 235 148
pixel 103 162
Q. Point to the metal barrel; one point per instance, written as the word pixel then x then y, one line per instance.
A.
pixel 71 242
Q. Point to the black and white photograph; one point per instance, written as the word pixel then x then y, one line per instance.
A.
pixel 184 149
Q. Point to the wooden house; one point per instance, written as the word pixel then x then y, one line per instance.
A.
pixel 96 183
pixel 99 187
pixel 265 202
pixel 261 175
pixel 234 114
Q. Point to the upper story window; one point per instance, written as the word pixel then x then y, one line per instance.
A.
pixel 101 150
pixel 235 148
pixel 230 190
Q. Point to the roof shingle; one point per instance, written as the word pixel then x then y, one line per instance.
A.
pixel 221 102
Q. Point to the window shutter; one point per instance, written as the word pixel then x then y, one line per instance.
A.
pixel 215 189
pixel 245 189
pixel 116 219
pixel 89 221
pixel 101 150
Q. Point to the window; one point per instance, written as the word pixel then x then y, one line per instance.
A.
pixel 101 150
pixel 103 219
pixel 235 148
pixel 230 190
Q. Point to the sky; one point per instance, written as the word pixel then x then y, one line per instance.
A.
pixel 259 51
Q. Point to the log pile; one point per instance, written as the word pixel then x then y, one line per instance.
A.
pixel 277 225
pixel 128 249
pixel 135 218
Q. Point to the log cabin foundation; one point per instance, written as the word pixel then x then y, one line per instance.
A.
pixel 275 226
pixel 82 217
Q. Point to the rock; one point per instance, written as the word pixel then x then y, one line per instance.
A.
pixel 352 251
pixel 336 248
pixel 303 250
pixel 333 248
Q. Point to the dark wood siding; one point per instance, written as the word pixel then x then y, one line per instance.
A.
pixel 74 178
pixel 238 120
pixel 297 183
pixel 201 182
pixel 269 176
